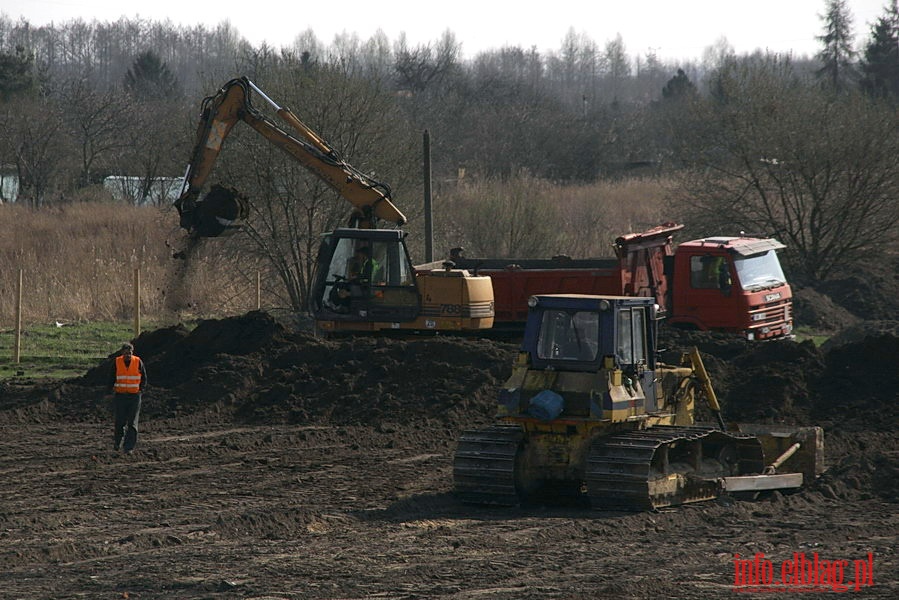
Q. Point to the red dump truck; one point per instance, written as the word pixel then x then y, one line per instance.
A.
pixel 732 284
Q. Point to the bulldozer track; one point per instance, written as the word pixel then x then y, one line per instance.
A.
pixel 484 465
pixel 628 471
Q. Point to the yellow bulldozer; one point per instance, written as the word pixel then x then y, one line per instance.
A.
pixel 590 413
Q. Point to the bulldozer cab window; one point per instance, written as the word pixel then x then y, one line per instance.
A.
pixel 632 336
pixel 568 335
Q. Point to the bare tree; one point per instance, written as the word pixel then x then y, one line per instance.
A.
pixel 424 67
pixel 33 139
pixel 98 121
pixel 619 66
pixel 772 154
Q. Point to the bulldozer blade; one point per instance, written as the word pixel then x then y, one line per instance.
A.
pixel 777 441
pixel 758 483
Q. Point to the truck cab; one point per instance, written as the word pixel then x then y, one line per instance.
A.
pixel 731 284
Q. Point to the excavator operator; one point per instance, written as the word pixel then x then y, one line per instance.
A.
pixel 370 269
pixel 364 270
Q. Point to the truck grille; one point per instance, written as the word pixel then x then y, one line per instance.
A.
pixel 771 320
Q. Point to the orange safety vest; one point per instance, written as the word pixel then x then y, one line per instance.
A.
pixel 127 378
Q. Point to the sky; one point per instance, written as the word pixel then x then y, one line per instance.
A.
pixel 672 29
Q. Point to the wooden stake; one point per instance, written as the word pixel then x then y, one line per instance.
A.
pixel 136 302
pixel 258 291
pixel 17 347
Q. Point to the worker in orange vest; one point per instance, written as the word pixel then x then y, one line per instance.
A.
pixel 129 379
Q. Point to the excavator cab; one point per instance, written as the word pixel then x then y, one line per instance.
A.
pixel 365 274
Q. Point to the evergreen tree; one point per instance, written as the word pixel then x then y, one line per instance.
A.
pixel 149 77
pixel 837 55
pixel 16 73
pixel 880 65
pixel 678 86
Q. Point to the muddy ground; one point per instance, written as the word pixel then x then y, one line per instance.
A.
pixel 275 465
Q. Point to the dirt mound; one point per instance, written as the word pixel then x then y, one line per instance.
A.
pixel 770 382
pixel 858 388
pixel 869 293
pixel 860 331
pixel 173 355
pixel 813 309
pixel 866 293
pixel 380 380
pixel 252 366
pixel 851 381
pixel 257 371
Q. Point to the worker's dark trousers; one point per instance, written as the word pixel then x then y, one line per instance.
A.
pixel 127 414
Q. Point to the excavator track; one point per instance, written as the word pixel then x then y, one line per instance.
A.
pixel 666 466
pixel 484 465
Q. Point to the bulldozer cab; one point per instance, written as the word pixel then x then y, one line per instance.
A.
pixel 583 333
pixel 573 333
pixel 364 274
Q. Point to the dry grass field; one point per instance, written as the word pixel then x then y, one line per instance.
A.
pixel 78 263
pixel 79 259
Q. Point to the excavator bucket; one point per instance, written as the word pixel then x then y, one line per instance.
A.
pixel 220 211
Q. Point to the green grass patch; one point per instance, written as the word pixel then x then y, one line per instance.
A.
pixel 804 333
pixel 48 351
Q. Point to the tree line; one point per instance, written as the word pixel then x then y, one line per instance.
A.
pixel 799 147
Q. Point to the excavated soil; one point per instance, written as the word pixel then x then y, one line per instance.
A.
pixel 272 464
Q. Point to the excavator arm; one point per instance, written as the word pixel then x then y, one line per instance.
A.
pixel 222 207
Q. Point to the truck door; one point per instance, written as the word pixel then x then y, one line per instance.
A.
pixel 707 300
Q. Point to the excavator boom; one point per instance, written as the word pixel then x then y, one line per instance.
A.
pixel 219 114
pixel 364 280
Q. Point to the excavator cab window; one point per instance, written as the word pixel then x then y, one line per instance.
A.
pixel 568 335
pixel 367 276
pixel 371 263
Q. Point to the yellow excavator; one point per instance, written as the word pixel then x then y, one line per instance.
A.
pixel 364 279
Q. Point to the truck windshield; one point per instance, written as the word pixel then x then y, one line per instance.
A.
pixel 759 271
pixel 568 335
